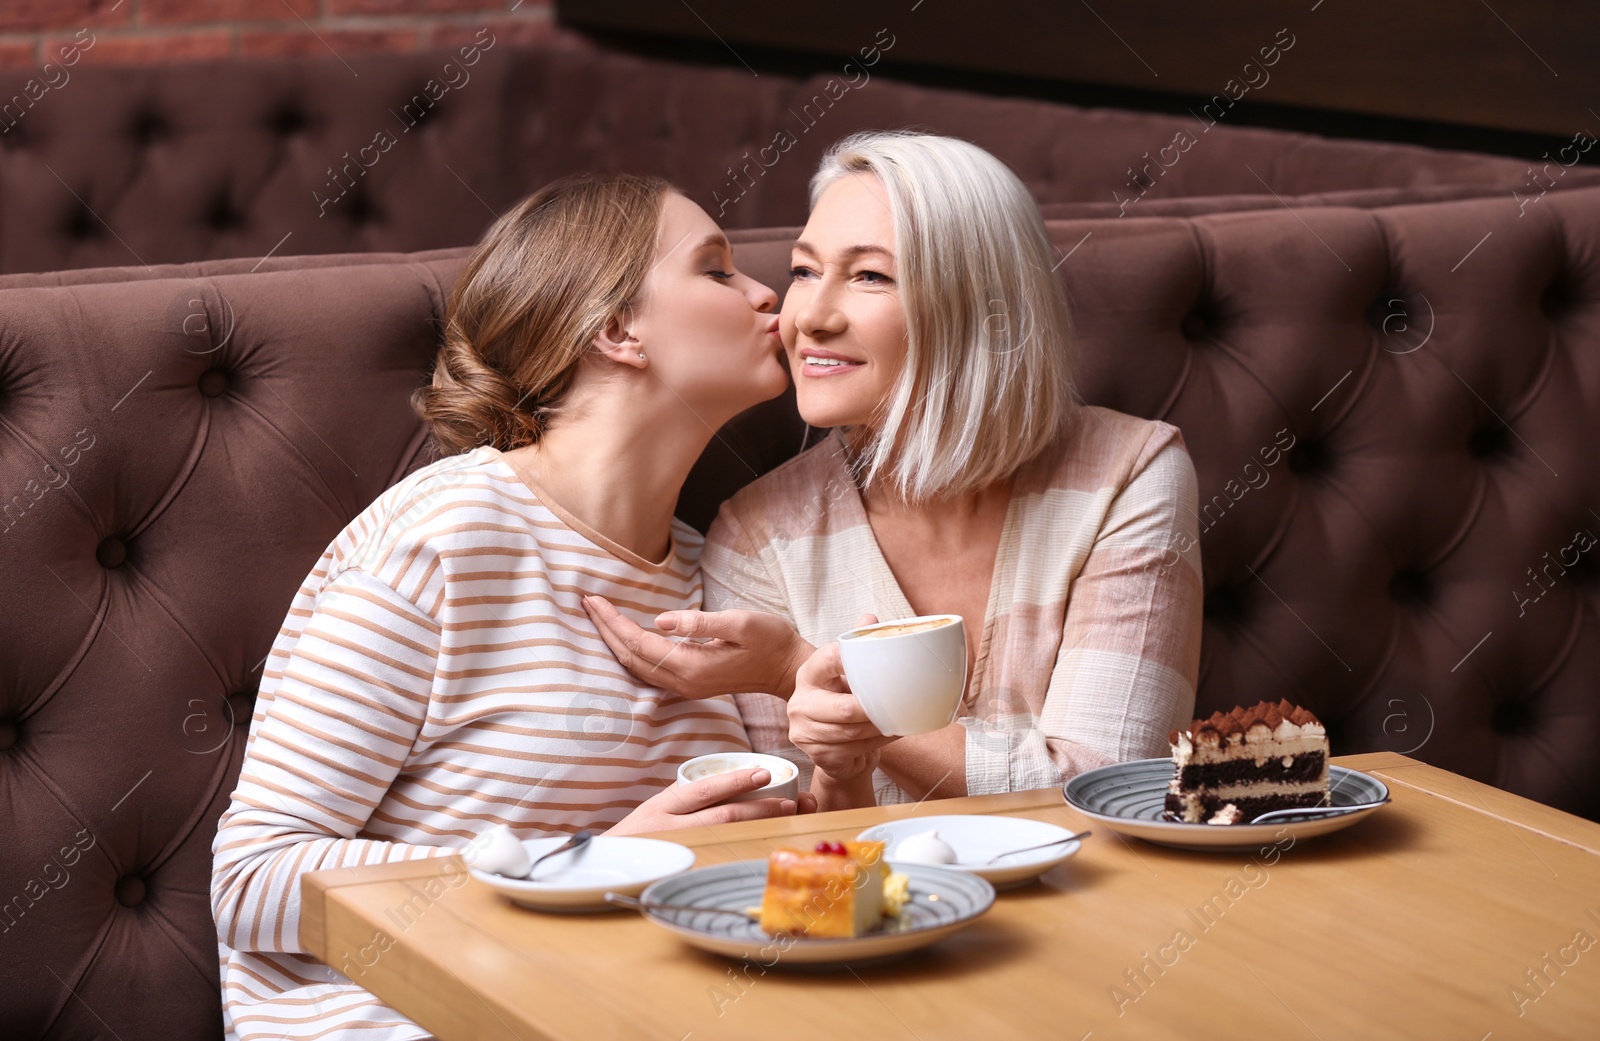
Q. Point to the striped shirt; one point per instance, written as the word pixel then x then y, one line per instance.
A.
pixel 437 674
pixel 1090 649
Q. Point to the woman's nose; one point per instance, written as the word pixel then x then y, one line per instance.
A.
pixel 762 296
pixel 816 311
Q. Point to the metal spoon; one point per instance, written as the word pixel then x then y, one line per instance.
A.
pixel 578 841
pixel 1024 849
pixel 641 905
pixel 1315 812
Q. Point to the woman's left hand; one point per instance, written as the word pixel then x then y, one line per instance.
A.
pixel 747 652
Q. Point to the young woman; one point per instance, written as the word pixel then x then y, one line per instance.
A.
pixel 436 673
pixel 926 327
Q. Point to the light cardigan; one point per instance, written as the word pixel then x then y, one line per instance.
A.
pixel 1090 647
pixel 437 674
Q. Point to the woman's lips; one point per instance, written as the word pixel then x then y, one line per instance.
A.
pixel 816 363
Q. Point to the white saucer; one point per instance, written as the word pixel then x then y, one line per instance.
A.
pixel 580 879
pixel 976 838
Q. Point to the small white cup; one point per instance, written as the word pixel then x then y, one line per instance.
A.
pixel 785 783
pixel 910 682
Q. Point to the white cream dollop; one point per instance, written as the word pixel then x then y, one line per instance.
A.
pixel 925 847
pixel 498 852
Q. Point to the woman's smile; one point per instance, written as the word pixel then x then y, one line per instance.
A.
pixel 815 362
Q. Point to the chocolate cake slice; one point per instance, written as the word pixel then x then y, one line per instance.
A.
pixel 1233 767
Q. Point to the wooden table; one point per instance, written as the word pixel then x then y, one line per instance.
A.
pixel 1458 912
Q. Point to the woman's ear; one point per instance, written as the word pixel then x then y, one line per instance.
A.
pixel 618 343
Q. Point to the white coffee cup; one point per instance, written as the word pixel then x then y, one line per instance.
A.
pixel 907 673
pixel 785 783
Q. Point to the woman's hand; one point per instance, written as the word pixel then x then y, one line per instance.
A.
pixel 747 652
pixel 827 723
pixel 695 804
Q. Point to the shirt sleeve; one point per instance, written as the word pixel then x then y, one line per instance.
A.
pixel 741 574
pixel 1130 654
pixel 351 701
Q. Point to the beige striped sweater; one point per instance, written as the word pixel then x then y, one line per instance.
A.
pixel 436 674
pixel 1090 651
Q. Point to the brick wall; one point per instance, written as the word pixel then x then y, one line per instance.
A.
pixel 33 32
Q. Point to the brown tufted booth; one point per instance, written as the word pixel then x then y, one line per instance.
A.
pixel 122 166
pixel 179 444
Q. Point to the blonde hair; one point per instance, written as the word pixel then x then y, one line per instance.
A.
pixel 542 283
pixel 987 383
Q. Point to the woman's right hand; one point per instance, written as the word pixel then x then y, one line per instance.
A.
pixel 744 651
pixel 695 804
pixel 827 723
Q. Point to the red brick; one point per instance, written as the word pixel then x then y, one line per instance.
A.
pixel 505 31
pixel 170 12
pixel 414 7
pixel 344 42
pixel 18 55
pixel 28 15
pixel 150 48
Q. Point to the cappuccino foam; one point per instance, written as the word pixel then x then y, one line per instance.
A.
pixel 902 628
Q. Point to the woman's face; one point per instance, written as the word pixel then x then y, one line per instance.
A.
pixel 707 330
pixel 843 326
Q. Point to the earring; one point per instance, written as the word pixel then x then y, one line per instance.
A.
pixel 641 356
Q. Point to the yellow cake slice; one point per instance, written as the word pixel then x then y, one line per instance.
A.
pixel 835 890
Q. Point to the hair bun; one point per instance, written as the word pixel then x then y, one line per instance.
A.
pixel 471 403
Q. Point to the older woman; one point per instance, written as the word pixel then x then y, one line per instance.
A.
pixel 925 326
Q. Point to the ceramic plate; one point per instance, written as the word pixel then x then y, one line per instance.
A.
pixel 1128 798
pixel 942 901
pixel 580 879
pixel 976 838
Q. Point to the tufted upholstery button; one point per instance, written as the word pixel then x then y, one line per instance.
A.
pixel 1557 298
pixel 130 890
pixel 221 214
pixel 1225 603
pixel 1195 325
pixel 360 208
pixel 1410 586
pixel 213 383
pixel 1391 311
pixel 287 119
pixel 81 223
pixel 241 706
pixel 148 128
pixel 422 106
pixel 1513 717
pixel 1310 458
pixel 8 734
pixel 111 552
pixel 1491 440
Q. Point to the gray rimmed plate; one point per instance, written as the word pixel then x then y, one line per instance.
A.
pixel 1129 797
pixel 942 901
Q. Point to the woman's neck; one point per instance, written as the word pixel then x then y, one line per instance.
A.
pixel 952 514
pixel 619 470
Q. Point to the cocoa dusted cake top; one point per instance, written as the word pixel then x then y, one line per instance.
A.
pixel 1240 719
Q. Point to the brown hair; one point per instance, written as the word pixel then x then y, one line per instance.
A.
pixel 541 284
